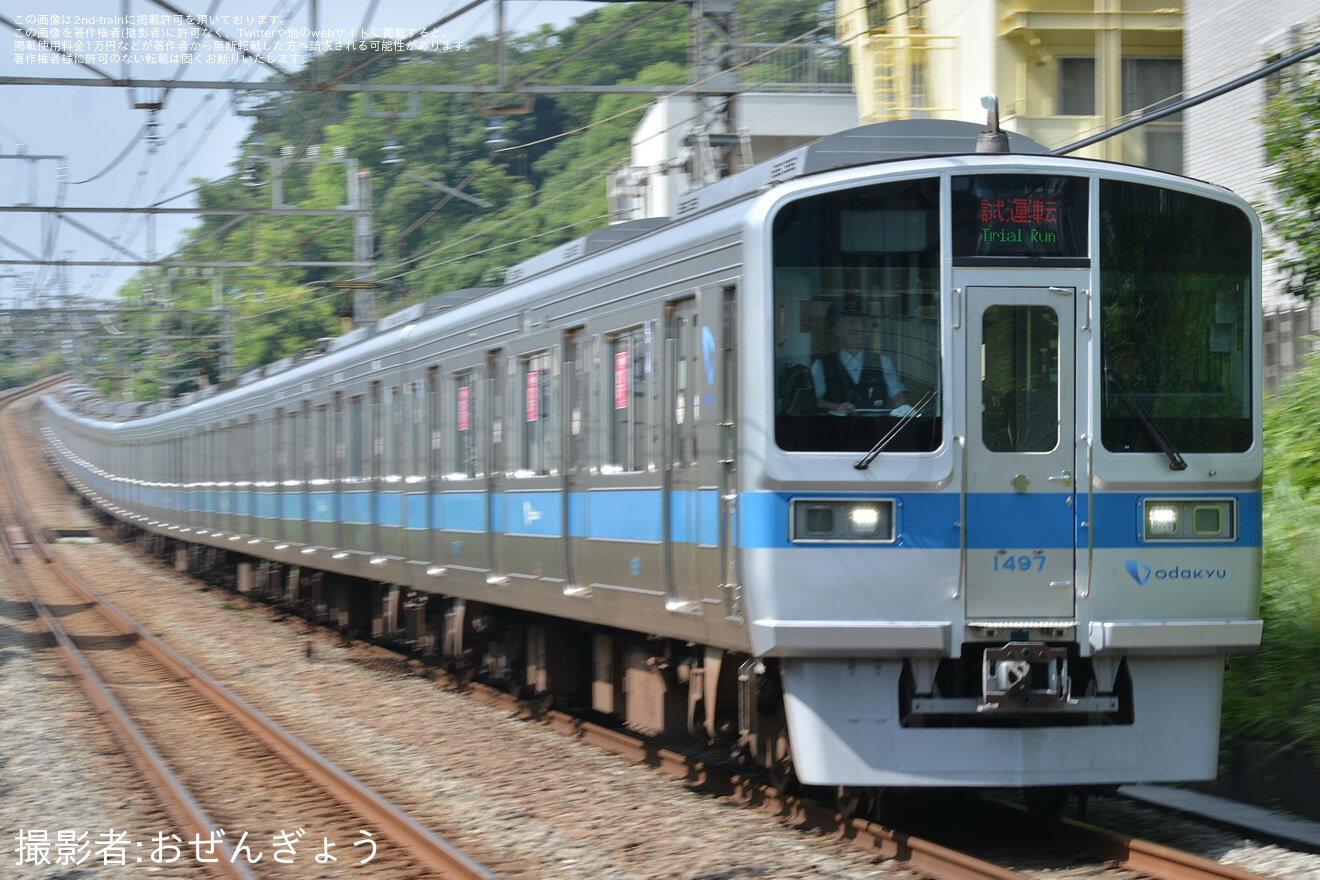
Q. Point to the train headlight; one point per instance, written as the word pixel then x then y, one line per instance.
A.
pixel 841 521
pixel 864 521
pixel 1189 519
pixel 1161 520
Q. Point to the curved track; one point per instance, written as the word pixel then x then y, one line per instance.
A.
pixel 1109 853
pixel 163 710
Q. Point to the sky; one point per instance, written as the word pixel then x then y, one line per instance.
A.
pixel 100 154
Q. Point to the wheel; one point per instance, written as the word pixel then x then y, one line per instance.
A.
pixel 879 808
pixel 779 763
pixel 852 802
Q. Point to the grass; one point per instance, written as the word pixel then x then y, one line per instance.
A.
pixel 1274 695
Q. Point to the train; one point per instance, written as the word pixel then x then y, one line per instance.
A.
pixel 1011 545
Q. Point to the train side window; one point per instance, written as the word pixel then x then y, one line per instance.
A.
pixel 389 436
pixel 279 462
pixel 466 443
pixel 577 375
pixel 338 445
pixel 354 469
pixel 292 474
pixel 627 422
pixel 319 446
pixel 534 427
pixel 433 424
pixel 414 459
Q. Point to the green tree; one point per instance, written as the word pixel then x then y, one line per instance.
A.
pixel 1292 146
pixel 1266 697
pixel 548 188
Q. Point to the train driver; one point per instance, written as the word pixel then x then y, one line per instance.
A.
pixel 853 377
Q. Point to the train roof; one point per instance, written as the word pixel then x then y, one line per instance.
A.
pixel 865 145
pixel 868 144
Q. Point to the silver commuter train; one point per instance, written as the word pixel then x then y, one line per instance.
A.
pixel 619 478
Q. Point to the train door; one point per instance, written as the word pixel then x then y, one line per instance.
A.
pixel 577 402
pixel 682 529
pixel 1021 531
pixel 495 470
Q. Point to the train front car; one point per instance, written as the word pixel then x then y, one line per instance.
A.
pixel 1003 523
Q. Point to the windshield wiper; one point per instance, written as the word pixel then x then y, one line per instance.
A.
pixel 893 432
pixel 1153 430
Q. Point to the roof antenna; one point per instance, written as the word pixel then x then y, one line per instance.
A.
pixel 993 139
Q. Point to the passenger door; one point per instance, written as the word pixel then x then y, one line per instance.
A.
pixel 682 527
pixel 1021 492
pixel 577 425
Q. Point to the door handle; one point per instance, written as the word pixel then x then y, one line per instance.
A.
pixel 1065 478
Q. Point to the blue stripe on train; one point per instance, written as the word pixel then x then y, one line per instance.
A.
pixel 922 520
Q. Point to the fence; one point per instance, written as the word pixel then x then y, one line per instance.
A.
pixel 1290 336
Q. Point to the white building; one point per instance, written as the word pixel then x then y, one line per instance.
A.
pixel 1224 40
pixel 668 145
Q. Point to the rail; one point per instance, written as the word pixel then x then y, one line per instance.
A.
pixel 425 846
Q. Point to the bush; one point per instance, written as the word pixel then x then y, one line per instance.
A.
pixel 1273 695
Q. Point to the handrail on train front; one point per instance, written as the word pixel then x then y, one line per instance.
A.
pixel 962 517
pixel 1090 512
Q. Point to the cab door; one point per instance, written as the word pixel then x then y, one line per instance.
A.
pixel 1021 490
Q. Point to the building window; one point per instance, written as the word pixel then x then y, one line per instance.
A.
pixel 1076 86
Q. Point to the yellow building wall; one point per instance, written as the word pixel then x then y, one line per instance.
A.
pixel 936 57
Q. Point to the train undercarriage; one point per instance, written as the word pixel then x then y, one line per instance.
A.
pixel 669 690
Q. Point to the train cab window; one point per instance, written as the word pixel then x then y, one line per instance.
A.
pixel 466 444
pixel 1175 321
pixel 628 424
pixel 533 428
pixel 856 319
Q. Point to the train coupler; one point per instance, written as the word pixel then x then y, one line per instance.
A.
pixel 1024 676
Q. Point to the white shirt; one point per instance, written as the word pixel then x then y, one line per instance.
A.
pixel 853 364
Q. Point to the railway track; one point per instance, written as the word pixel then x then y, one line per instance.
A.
pixel 1109 855
pixel 219 766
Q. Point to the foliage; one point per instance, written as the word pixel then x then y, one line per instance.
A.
pixel 545 188
pixel 22 363
pixel 1270 695
pixel 1292 142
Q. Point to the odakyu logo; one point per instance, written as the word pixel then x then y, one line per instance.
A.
pixel 1142 573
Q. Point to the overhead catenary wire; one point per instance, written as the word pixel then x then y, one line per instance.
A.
pixel 1178 107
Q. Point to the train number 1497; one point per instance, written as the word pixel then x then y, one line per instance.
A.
pixel 1020 563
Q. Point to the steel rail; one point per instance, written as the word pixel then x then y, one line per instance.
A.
pixel 173 794
pixel 427 847
pixel 1153 859
pixel 916 853
pixel 1133 854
